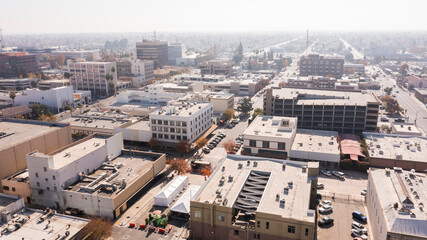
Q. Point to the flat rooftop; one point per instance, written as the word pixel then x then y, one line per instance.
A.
pixel 33 230
pixel 407 128
pixel 6 201
pixel 141 125
pixel 272 126
pixel 317 141
pixel 402 187
pixel 24 130
pixel 75 151
pixel 100 122
pixel 127 166
pixel 324 97
pixel 296 199
pixel 178 109
pixel 389 146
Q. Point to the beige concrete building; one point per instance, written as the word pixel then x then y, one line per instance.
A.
pixel 396 203
pixel 94 175
pixel 311 82
pixel 315 64
pixel 18 185
pixel 256 198
pixel 156 51
pixel 405 129
pixel 221 101
pixel 20 137
pixel 216 67
pixel 389 150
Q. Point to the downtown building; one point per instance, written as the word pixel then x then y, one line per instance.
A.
pixel 344 112
pixel 136 71
pixel 156 51
pixel 216 67
pixel 181 121
pixel 316 65
pixel 311 82
pixel 92 76
pixel 13 64
pixel 256 198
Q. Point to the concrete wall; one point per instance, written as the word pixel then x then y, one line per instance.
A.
pixel 318 156
pixel 13 207
pixel 56 99
pixel 13 158
pixel 405 164
pixel 22 189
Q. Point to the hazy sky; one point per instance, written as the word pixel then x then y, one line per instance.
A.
pixel 60 16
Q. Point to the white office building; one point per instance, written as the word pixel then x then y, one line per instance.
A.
pixel 154 95
pixel 181 121
pixel 92 76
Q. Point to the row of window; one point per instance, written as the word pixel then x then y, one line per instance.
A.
pixel 221 218
pixel 169 136
pixel 266 144
pixel 168 123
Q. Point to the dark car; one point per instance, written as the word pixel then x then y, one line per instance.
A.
pixel 211 146
pixel 399 120
pixel 325 221
pixel 359 216
pixel 206 150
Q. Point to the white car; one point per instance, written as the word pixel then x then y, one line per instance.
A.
pixel 326 202
pixel 326 173
pixel 325 206
pixel 338 174
pixel 325 210
pixel 363 192
pixel 320 186
pixel 359 227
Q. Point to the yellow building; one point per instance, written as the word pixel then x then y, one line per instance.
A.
pixel 256 198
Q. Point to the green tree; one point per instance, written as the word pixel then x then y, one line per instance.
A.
pixel 12 96
pixel 67 75
pixel 388 90
pixel 257 111
pixel 245 106
pixel 229 114
pixel 37 110
pixel 391 105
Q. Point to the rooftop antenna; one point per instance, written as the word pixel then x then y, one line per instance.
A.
pixel 155 38
pixel 307 38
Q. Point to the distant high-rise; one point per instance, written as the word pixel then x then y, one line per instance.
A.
pixel 175 51
pixel 316 65
pixel 13 64
pixel 153 50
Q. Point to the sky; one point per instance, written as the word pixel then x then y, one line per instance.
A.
pixel 82 16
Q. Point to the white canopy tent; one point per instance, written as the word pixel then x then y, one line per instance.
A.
pixel 183 203
pixel 171 191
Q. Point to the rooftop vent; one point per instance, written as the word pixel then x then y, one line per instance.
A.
pixel 230 178
pixel 255 163
pixel 240 165
pixel 284 165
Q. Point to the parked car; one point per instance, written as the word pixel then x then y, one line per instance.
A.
pixel 384 119
pixel 359 227
pixel 211 146
pixel 320 186
pixel 329 202
pixel 325 221
pixel 325 210
pixel 355 233
pixel 325 206
pixel 326 172
pixel 363 193
pixel 206 150
pixel 399 120
pixel 338 174
pixel 359 216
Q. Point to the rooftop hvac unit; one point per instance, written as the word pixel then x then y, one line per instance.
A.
pixel 284 165
pixel 381 152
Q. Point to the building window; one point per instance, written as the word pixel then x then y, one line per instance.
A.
pixel 13 189
pixel 221 218
pixel 38 184
pixel 265 144
pixel 258 224
pixel 53 177
pixel 159 122
pixel 153 121
pixel 281 146
pixel 198 214
pixel 37 175
pixel 236 232
pixel 306 231
pixel 46 179
pixel 54 188
pixel 267 225
pixel 252 143
pixel 258 236
pixel 48 188
pixel 45 169
pixel 291 229
pixel 6 188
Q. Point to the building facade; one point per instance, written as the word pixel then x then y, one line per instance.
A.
pixel 317 65
pixel 92 76
pixel 175 51
pixel 15 84
pixel 216 67
pixel 156 51
pixel 181 121
pixel 55 99
pixel 345 112
pixel 312 82
pixel 242 200
pixel 14 64
pixel 136 70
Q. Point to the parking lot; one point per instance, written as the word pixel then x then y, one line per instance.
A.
pixel 346 197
